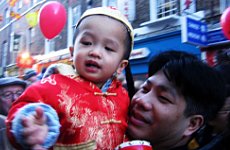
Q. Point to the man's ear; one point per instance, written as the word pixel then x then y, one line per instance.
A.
pixel 195 122
pixel 71 50
pixel 122 66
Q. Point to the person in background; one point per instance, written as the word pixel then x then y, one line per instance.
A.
pixel 179 97
pixel 86 110
pixel 41 74
pixel 216 135
pixel 10 89
pixel 30 76
pixel 220 123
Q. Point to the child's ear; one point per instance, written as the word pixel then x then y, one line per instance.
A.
pixel 195 122
pixel 71 51
pixel 122 66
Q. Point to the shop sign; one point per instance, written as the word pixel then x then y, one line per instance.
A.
pixel 216 36
pixel 193 31
pixel 139 53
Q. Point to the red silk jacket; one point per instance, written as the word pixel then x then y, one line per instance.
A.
pixel 89 118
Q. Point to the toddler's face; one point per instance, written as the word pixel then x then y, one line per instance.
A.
pixel 99 48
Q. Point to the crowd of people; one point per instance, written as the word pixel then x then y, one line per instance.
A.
pixel 10 89
pixel 184 104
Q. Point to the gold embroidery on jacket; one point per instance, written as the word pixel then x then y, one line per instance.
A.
pixel 49 80
pixel 100 125
pixel 110 121
pixel 72 112
pixel 105 94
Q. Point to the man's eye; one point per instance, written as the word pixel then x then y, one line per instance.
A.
pixel 164 99
pixel 144 90
pixel 19 93
pixel 7 95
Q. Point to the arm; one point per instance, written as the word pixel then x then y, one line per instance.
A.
pixel 61 68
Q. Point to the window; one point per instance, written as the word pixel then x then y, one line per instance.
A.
pixel 4 53
pixel 224 4
pixel 166 8
pixel 19 4
pixel 7 15
pixel 163 13
pixel 31 35
pixel 109 3
pixel 213 9
pixel 163 8
pixel 77 14
pixel 16 42
pixel 112 3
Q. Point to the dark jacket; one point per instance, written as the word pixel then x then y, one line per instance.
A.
pixel 4 143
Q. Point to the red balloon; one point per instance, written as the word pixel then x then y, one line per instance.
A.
pixel 225 23
pixel 52 19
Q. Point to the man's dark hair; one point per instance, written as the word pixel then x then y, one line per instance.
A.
pixel 202 86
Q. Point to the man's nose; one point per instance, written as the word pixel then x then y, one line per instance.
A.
pixel 15 96
pixel 142 103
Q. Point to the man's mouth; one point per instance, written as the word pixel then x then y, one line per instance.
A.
pixel 138 119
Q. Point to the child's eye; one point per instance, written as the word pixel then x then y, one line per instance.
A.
pixel 109 49
pixel 86 43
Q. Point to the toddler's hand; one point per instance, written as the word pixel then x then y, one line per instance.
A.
pixel 35 129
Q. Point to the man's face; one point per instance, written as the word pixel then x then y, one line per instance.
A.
pixel 8 95
pixel 157 113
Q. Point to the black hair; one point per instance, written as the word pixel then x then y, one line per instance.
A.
pixel 157 62
pixel 202 86
pixel 224 69
pixel 128 43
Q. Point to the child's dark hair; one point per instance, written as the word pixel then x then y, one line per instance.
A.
pixel 202 86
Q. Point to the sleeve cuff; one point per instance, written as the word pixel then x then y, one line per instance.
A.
pixel 52 122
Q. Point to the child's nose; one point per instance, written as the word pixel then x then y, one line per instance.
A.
pixel 95 52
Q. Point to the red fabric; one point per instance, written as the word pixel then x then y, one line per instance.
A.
pixel 84 115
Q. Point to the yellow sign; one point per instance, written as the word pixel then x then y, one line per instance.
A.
pixel 32 18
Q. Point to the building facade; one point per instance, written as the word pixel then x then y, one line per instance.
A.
pixel 157 27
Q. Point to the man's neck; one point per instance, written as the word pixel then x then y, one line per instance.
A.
pixel 180 144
